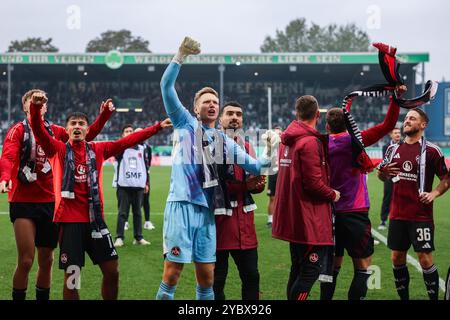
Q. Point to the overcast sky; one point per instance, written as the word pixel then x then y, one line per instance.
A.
pixel 229 26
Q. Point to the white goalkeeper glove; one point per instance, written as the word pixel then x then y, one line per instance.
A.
pixel 188 46
pixel 271 140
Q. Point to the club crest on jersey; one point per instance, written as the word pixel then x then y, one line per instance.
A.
pixel 407 166
pixel 63 258
pixel 40 151
pixel 81 169
pixel 313 257
pixel 175 251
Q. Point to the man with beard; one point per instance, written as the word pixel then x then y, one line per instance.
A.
pixel 236 234
pixel 412 165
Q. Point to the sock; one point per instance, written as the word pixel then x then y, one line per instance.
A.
pixel 19 294
pixel 358 288
pixel 431 279
pixel 270 218
pixel 327 288
pixel 42 294
pixel 204 293
pixel 401 276
pixel 447 286
pixel 165 292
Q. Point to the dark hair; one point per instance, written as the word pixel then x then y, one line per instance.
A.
pixel 77 115
pixel 335 120
pixel 232 104
pixel 128 125
pixel 306 107
pixel 422 114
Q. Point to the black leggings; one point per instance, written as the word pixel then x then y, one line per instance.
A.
pixel 247 264
pixel 146 205
pixel 306 264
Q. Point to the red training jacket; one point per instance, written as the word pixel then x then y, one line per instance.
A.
pixel 303 199
pixel 237 232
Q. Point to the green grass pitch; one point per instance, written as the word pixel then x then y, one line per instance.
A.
pixel 141 267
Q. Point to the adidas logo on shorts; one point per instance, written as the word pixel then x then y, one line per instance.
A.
pixel 426 246
pixel 114 253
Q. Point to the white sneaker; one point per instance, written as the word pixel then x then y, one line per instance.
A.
pixel 141 242
pixel 382 225
pixel 147 225
pixel 126 226
pixel 151 226
pixel 376 242
pixel 118 242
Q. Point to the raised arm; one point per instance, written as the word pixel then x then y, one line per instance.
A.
pixel 244 160
pixel 254 184
pixel 174 108
pixel 372 135
pixel 106 110
pixel 375 133
pixel 114 147
pixel 47 142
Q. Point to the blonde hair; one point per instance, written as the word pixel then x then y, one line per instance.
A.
pixel 202 91
pixel 29 93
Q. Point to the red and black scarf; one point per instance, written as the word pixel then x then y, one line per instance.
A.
pixel 390 67
pixel 98 226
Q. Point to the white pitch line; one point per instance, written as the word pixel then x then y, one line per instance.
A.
pixel 409 258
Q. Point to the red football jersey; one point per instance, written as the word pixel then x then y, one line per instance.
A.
pixel 405 203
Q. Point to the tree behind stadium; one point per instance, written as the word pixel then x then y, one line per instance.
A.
pixel 121 40
pixel 299 37
pixel 32 45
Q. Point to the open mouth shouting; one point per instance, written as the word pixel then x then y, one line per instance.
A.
pixel 211 112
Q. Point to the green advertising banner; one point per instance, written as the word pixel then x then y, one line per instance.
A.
pixel 115 59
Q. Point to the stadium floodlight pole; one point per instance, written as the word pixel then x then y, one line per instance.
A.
pixel 269 107
pixel 423 76
pixel 9 69
pixel 221 71
pixel 423 88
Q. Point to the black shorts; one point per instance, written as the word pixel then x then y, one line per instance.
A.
pixel 272 185
pixel 403 233
pixel 353 232
pixel 42 216
pixel 75 239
